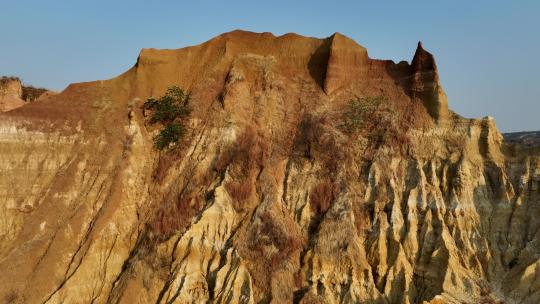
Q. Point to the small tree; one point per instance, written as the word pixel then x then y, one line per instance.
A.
pixel 171 133
pixel 170 110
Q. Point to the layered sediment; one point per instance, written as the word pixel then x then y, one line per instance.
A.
pixel 267 199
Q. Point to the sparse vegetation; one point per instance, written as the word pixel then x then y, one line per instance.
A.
pixel 486 294
pixel 30 93
pixel 11 297
pixel 247 152
pixel 171 110
pixel 361 216
pixel 175 216
pixel 317 139
pixel 274 234
pixel 243 160
pixel 6 79
pixel 239 191
pixel 358 112
pixel 377 122
pixel 322 196
pixel 308 138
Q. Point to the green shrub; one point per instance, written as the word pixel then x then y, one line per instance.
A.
pixel 171 133
pixel 170 110
pixel 358 112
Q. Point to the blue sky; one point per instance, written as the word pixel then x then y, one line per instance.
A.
pixel 487 51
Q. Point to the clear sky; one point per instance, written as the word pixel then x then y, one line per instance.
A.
pixel 487 51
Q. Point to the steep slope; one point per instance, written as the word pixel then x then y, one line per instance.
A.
pixel 268 199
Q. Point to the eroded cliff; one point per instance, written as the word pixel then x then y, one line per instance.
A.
pixel 267 198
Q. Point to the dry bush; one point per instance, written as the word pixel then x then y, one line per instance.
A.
pixel 383 122
pixel 310 298
pixel 358 113
pixel 298 280
pixel 247 153
pixel 222 161
pixel 285 242
pixel 485 288
pixel 437 301
pixel 486 294
pixel 11 297
pixel 288 246
pixel 489 300
pixel 250 152
pixel 271 242
pixel 308 134
pixel 322 196
pixel 362 219
pixel 316 139
pixel 240 192
pixel 175 217
pixel 5 79
pixel 164 163
pixel 244 159
pixel 30 93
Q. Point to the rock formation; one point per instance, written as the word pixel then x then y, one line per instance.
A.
pixel 10 93
pixel 267 199
pixel 14 94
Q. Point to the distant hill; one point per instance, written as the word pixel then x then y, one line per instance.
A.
pixel 527 138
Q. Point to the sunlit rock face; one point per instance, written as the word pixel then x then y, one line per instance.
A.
pixel 267 198
pixel 10 93
pixel 14 94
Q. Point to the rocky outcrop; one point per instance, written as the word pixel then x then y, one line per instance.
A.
pixel 267 199
pixel 347 63
pixel 425 84
pixel 14 94
pixel 10 93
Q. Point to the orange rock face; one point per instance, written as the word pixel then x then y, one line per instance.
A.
pixel 269 197
pixel 13 94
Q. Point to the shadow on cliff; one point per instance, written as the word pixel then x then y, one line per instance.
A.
pixel 318 63
pixel 401 73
